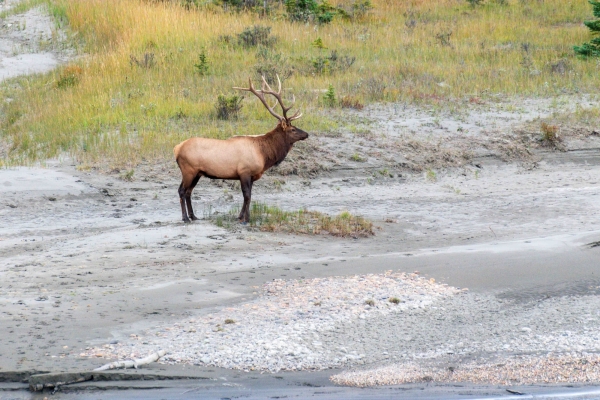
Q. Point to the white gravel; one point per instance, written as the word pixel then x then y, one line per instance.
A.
pixel 523 370
pixel 286 327
pixel 329 322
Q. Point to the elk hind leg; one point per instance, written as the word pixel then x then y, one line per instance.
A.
pixel 181 191
pixel 188 197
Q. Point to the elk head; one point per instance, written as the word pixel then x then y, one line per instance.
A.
pixel 293 134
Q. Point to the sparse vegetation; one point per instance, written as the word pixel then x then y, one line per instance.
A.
pixel 139 56
pixel 273 219
pixel 394 300
pixel 357 157
pixel 431 175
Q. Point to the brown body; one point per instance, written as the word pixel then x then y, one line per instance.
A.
pixel 244 158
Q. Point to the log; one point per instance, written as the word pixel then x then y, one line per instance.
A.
pixel 132 363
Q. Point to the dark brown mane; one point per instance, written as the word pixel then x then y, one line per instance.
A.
pixel 274 146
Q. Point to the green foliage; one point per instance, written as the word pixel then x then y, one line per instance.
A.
pixel 329 97
pixel 318 43
pixel 310 10
pixel 592 48
pixel 256 35
pixel 271 63
pixel 228 107
pixel 475 2
pixel 202 66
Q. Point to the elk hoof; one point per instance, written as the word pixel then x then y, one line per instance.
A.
pixel 186 220
pixel 193 218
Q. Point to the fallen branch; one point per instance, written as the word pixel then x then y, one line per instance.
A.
pixel 133 363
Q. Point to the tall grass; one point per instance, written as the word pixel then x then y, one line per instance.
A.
pixel 118 111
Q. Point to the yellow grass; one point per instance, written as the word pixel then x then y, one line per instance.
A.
pixel 119 112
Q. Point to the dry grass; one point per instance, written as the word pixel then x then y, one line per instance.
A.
pixel 273 219
pixel 120 111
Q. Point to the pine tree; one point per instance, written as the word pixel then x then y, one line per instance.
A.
pixel 592 49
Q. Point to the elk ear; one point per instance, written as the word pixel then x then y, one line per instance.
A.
pixel 284 124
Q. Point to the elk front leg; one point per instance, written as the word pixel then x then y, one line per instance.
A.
pixel 246 183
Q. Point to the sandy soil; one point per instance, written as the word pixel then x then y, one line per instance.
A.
pixel 91 263
pixel 29 43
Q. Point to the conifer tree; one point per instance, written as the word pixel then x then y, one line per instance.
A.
pixel 592 49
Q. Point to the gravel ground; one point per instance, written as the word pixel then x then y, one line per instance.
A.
pixel 425 329
pixel 286 327
pixel 548 369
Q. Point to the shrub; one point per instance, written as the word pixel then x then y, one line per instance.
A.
pixel 271 63
pixel 202 66
pixel 351 102
pixel 256 35
pixel 310 10
pixel 332 63
pixel 329 97
pixel 550 134
pixel 357 10
pixel 228 107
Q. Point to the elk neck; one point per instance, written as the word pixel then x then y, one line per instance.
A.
pixel 274 146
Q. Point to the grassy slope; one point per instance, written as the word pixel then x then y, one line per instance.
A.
pixel 121 113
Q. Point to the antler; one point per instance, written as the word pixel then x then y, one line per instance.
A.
pixel 266 89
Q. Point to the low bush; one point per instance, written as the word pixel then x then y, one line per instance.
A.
pixel 228 107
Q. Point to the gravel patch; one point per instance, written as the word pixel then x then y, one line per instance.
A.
pixel 524 370
pixel 286 326
pixel 422 329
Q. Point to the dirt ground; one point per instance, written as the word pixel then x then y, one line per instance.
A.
pixel 471 197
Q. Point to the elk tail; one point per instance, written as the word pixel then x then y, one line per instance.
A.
pixel 176 150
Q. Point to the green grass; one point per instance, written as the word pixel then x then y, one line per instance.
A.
pixel 273 219
pixel 116 112
pixel 21 7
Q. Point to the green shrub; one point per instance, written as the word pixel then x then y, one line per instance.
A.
pixel 202 66
pixel 310 10
pixel 271 63
pixel 228 107
pixel 256 35
pixel 357 10
pixel 329 97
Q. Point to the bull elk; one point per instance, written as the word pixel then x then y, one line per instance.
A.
pixel 245 158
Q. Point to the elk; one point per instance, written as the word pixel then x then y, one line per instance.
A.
pixel 243 158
